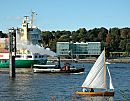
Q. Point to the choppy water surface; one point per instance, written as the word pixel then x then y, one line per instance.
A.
pixel 61 87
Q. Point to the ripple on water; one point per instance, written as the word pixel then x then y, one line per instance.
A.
pixel 36 87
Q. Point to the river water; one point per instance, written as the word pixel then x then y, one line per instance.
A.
pixel 61 87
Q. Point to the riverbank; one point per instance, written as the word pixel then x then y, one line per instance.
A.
pixel 119 60
pixel 92 60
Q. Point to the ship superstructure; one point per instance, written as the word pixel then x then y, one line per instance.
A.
pixel 28 34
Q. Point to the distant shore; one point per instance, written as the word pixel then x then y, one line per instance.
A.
pixel 92 60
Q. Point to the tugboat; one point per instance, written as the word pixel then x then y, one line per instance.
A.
pixel 67 68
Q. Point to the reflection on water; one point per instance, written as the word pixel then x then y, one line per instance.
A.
pixel 97 98
pixel 61 87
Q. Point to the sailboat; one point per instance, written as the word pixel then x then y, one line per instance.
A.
pixel 96 79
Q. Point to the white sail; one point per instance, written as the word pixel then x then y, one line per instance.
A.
pixel 97 75
pixel 110 83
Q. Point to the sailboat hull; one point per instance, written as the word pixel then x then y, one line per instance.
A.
pixel 95 93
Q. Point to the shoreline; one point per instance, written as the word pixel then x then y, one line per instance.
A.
pixel 92 60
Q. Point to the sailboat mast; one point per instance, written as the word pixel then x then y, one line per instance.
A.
pixel 105 70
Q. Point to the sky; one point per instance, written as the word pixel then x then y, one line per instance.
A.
pixel 53 15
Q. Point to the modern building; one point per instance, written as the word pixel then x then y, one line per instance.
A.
pixel 86 49
pixel 63 48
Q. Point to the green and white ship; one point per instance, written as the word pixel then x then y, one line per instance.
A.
pixel 22 60
pixel 29 50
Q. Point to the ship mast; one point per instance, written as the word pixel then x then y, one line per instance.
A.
pixel 32 19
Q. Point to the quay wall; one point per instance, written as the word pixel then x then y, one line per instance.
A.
pixel 92 60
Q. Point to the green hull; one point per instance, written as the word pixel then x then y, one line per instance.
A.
pixel 21 63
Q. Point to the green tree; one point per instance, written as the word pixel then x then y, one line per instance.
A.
pixel 82 34
pixel 75 37
pixel 115 39
pixel 53 45
pixel 123 45
pixel 102 34
pixel 46 37
pixel 3 35
pixel 125 33
pixel 92 35
pixel 64 38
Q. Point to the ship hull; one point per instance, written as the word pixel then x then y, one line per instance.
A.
pixel 95 93
pixel 54 70
pixel 21 63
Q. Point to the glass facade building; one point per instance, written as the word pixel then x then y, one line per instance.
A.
pixel 63 48
pixel 88 48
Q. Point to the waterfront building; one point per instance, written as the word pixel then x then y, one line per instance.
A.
pixel 4 42
pixel 4 45
pixel 77 49
pixel 63 48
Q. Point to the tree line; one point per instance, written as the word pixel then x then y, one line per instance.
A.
pixel 114 39
pixel 3 35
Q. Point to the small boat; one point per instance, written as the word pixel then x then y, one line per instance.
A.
pixel 57 70
pixel 67 68
pixel 96 80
